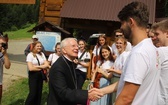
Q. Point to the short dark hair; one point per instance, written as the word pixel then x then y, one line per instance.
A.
pixel 136 10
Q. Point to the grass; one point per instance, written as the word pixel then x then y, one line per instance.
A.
pixel 17 93
pixel 20 34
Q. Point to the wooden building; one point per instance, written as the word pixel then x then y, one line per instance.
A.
pixel 86 17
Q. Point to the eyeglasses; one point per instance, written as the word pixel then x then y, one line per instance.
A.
pixel 118 35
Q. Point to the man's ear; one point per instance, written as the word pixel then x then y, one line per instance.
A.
pixel 131 21
pixel 63 50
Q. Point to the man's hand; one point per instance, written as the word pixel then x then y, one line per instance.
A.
pixel 3 51
pixel 94 94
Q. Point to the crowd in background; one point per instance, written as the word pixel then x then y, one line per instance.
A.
pixel 133 70
pixel 130 71
pixel 107 63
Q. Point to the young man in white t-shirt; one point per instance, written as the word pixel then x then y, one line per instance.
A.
pixel 161 33
pixel 139 82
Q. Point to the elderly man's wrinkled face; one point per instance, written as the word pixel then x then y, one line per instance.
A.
pixel 71 49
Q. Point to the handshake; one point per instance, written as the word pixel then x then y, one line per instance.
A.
pixel 95 94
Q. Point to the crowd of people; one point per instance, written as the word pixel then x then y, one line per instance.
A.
pixel 131 71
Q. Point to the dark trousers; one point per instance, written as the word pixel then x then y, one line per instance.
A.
pixel 81 77
pixel 35 88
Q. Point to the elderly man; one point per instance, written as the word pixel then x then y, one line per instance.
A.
pixel 62 78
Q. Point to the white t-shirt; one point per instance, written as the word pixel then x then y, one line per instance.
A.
pixel 105 65
pixel 142 67
pixel 85 56
pixel 120 61
pixel 52 58
pixel 114 48
pixel 163 82
pixel 33 60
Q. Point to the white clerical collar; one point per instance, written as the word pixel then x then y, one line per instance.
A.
pixel 68 58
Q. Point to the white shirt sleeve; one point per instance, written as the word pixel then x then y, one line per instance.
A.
pixel 50 57
pixel 128 47
pixel 29 57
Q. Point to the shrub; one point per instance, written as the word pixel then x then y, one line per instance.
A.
pixel 14 28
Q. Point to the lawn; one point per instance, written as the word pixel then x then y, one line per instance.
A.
pixel 16 94
pixel 20 34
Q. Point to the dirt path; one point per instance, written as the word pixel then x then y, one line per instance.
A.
pixel 18 67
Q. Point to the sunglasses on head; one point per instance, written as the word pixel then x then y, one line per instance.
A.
pixel 118 35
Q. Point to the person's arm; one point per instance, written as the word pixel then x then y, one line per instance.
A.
pixel 4 54
pixel 32 67
pixel 50 59
pixel 110 88
pixel 93 78
pixel 127 94
pixel 7 62
pixel 43 66
pixel 84 64
pixel 114 71
pixel 105 74
pixel 93 63
pixel 106 90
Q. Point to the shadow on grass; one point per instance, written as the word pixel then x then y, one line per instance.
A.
pixel 18 102
pixel 22 101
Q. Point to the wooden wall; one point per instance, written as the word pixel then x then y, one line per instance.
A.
pixel 50 11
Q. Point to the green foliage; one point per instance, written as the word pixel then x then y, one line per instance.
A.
pixel 14 28
pixel 17 93
pixel 26 26
pixel 17 15
pixel 21 34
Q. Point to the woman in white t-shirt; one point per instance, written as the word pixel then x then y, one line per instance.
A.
pixel 101 78
pixel 54 56
pixel 36 62
pixel 117 68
